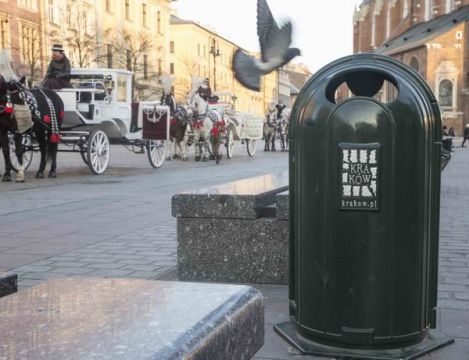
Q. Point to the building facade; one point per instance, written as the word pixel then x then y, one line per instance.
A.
pixel 20 32
pixel 197 51
pixel 431 36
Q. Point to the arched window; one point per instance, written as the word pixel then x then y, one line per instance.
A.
pixel 445 93
pixel 414 64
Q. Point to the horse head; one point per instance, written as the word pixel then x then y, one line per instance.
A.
pixel 198 105
pixel 3 86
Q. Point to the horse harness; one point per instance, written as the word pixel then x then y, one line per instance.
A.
pixel 51 120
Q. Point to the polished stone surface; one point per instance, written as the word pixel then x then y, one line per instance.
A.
pixel 240 199
pixel 103 319
pixel 283 205
pixel 8 283
pixel 233 250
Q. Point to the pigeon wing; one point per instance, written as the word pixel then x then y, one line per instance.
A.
pixel 277 42
pixel 265 22
pixel 246 71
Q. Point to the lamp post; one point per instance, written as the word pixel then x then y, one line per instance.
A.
pixel 215 52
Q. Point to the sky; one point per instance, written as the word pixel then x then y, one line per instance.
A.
pixel 322 29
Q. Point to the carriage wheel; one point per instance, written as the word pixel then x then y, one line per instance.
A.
pixel 98 152
pixel 27 143
pixel 229 144
pixel 251 147
pixel 156 151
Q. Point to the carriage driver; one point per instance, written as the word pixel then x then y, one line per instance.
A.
pixel 280 109
pixel 204 90
pixel 58 72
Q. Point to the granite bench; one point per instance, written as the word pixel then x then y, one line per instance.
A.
pixel 86 318
pixel 8 283
pixel 235 232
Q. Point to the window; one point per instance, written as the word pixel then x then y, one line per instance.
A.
pixel 158 21
pixel 445 93
pixel 205 51
pixel 145 67
pixel 428 9
pixel 108 5
pixel 4 33
pixel 129 60
pixel 109 55
pixel 30 4
pixel 127 9
pixel 121 88
pixel 51 11
pixel 144 15
pixel 458 35
pixel 449 6
pixel 171 69
pixel 414 64
pixel 160 67
pixel 198 49
pixel 29 44
pixel 171 47
pixel 198 70
pixel 69 16
pixel 85 21
pixel 405 9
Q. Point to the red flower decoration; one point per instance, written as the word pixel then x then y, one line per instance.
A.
pixel 54 138
pixel 8 110
pixel 46 119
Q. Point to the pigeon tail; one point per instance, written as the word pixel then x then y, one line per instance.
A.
pixel 246 71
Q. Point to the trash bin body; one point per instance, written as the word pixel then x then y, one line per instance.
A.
pixel 364 206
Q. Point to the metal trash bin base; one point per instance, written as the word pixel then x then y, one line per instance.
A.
pixel 434 341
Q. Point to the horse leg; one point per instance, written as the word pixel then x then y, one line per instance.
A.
pixel 197 145
pixel 41 139
pixel 206 152
pixel 18 138
pixel 6 154
pixel 52 150
pixel 274 134
pixel 216 151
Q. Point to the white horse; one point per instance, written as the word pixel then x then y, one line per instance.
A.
pixel 202 124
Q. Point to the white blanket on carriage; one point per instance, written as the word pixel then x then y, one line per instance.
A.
pixel 23 118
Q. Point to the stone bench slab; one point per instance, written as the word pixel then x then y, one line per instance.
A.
pixel 243 199
pixel 131 319
pixel 233 250
pixel 8 283
pixel 283 205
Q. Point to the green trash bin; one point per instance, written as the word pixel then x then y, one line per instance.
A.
pixel 364 213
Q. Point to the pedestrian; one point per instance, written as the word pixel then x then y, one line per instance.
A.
pixel 465 135
pixel 58 72
pixel 445 130
pixel 451 132
pixel 204 90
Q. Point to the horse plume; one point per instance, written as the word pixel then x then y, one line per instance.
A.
pixel 167 83
pixel 5 66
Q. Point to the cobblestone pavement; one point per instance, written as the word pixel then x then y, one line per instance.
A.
pixel 453 294
pixel 119 225
pixel 115 225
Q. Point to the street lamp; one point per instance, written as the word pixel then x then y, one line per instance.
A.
pixel 234 98
pixel 214 51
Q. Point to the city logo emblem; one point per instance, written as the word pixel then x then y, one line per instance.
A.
pixel 358 174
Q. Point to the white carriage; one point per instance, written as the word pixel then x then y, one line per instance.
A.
pixel 99 112
pixel 241 126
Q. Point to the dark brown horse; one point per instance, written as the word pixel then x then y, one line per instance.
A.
pixel 47 110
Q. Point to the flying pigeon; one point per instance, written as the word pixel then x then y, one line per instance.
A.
pixel 274 42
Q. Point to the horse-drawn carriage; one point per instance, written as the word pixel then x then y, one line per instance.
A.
pixel 99 112
pixel 240 126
